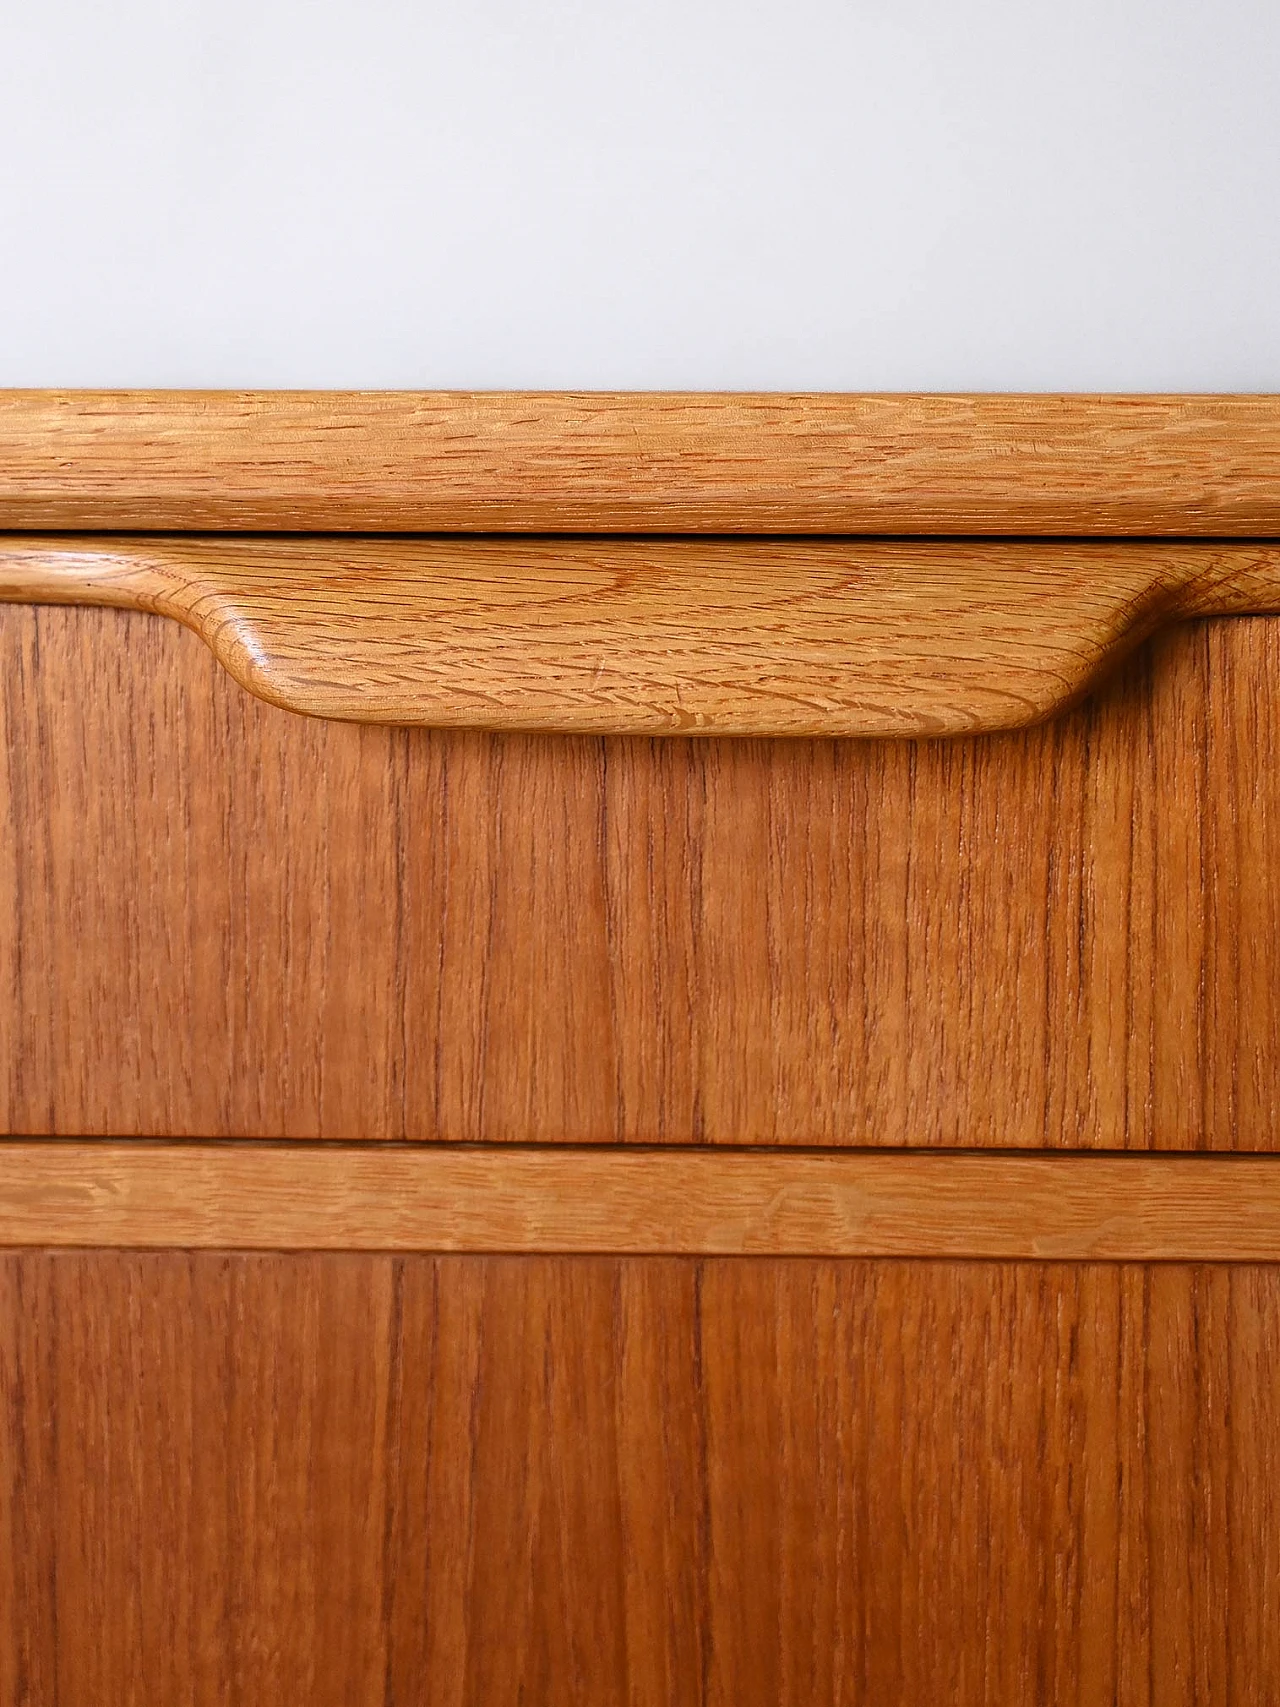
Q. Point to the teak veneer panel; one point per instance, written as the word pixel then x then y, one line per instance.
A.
pixel 640 1202
pixel 468 1480
pixel 217 919
pixel 589 462
pixel 746 637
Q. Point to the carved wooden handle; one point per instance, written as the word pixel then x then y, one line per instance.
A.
pixel 658 635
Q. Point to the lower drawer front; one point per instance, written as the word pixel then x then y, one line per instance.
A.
pixel 485 1479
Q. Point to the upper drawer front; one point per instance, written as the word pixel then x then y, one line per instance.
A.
pixel 217 918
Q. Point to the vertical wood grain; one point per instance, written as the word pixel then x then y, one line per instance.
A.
pixel 467 1480
pixel 217 919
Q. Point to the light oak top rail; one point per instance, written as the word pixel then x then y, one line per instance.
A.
pixel 640 1202
pixel 658 636
pixel 398 462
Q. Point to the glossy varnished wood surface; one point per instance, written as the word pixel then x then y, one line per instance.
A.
pixel 667 463
pixel 481 1480
pixel 217 919
pixel 628 1201
pixel 659 636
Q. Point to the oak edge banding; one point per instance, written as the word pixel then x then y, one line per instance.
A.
pixel 630 1201
pixel 651 462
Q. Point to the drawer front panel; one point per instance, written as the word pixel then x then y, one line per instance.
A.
pixel 220 919
pixel 474 1480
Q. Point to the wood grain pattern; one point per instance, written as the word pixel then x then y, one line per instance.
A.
pixel 479 1480
pixel 219 920
pixel 625 462
pixel 640 1202
pixel 778 637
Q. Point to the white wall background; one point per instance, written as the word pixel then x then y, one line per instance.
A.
pixel 832 194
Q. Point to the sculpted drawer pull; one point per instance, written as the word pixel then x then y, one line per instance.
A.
pixel 658 635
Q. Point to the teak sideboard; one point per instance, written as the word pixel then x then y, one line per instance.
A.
pixel 639 1049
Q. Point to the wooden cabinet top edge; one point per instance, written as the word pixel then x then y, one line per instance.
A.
pixel 641 462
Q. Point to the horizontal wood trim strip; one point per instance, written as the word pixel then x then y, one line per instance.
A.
pixel 657 636
pixel 633 1201
pixel 635 462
